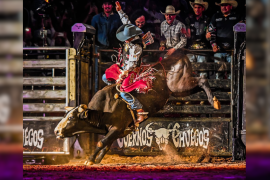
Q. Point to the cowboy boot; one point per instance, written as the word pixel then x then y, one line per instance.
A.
pixel 141 116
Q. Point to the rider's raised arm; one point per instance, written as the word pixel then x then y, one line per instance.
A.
pixel 123 16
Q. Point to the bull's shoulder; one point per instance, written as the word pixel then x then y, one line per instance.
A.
pixel 107 90
pixel 104 100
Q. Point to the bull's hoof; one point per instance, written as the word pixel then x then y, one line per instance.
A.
pixel 216 103
pixel 88 163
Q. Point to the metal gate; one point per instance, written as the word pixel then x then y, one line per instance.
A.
pixel 55 77
pixel 48 86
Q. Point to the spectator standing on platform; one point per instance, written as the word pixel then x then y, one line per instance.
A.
pixel 139 18
pixel 173 32
pixel 197 24
pixel 48 27
pixel 221 31
pixel 106 25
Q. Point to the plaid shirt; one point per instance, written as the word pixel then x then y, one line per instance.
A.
pixel 174 34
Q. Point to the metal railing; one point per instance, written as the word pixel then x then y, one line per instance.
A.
pixel 190 51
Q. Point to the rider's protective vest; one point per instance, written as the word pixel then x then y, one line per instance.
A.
pixel 131 54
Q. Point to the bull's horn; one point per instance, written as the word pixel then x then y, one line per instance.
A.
pixel 149 130
pixel 68 108
pixel 82 108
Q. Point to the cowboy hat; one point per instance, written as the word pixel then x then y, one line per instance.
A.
pixel 231 2
pixel 200 2
pixel 127 31
pixel 170 10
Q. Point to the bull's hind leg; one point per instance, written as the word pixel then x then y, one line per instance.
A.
pixel 203 83
pixel 108 139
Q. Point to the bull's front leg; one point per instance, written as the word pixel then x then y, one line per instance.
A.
pixel 102 153
pixel 103 143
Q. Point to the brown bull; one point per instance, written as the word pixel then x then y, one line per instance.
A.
pixel 109 116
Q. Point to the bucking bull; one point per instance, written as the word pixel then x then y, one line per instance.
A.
pixel 110 116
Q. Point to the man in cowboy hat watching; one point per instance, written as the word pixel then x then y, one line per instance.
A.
pixel 221 30
pixel 173 32
pixel 106 24
pixel 197 24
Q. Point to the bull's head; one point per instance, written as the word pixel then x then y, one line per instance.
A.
pixel 161 135
pixel 72 122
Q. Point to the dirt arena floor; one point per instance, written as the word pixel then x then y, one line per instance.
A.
pixel 158 168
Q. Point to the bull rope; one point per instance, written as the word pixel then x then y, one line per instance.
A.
pixel 150 66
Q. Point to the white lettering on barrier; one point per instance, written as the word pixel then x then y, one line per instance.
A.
pixel 33 137
pixel 139 138
pixel 181 139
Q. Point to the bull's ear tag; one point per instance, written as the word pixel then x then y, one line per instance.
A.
pixel 68 108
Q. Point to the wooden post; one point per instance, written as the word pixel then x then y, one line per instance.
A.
pixel 72 78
